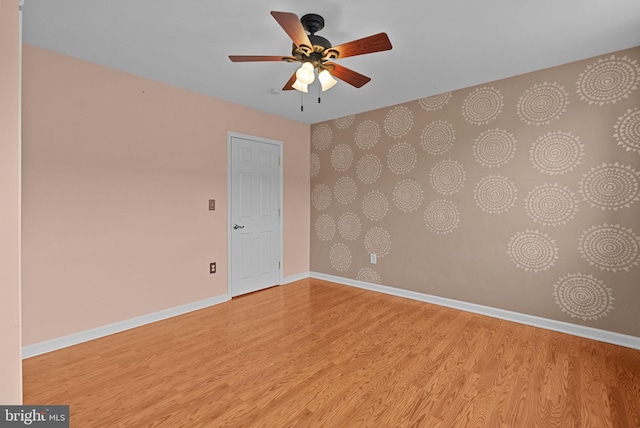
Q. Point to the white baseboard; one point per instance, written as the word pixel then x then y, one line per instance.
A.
pixel 95 333
pixel 294 278
pixel 549 324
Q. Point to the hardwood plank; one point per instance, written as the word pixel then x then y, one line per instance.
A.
pixel 315 353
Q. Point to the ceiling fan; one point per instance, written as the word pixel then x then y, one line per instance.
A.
pixel 316 53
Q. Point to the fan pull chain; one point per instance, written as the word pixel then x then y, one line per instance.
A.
pixel 301 102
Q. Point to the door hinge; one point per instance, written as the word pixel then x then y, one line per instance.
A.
pixel 278 265
pixel 278 160
pixel 278 212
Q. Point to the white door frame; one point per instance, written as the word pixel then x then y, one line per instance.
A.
pixel 230 135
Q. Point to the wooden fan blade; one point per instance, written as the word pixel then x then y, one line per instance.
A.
pixel 376 43
pixel 289 85
pixel 252 58
pixel 291 24
pixel 351 77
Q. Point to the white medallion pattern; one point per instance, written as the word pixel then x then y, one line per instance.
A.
pixel 367 134
pixel 375 205
pixel 344 122
pixel 321 137
pixel 398 122
pixel 435 102
pixel 543 103
pixel 609 80
pixel 447 177
pixel 611 186
pixel 402 157
pixel 369 275
pixel 556 153
pixel 441 217
pixel 340 257
pixel 321 196
pixel 325 227
pixel 551 204
pixel 349 226
pixel 345 190
pixel 628 130
pixel 566 173
pixel 532 251
pixel 495 194
pixel 482 105
pixel 583 296
pixel 315 165
pixel 438 137
pixel 610 247
pixel 494 147
pixel 377 241
pixel 369 169
pixel 341 157
pixel 407 195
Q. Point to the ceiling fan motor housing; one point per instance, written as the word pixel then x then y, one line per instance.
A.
pixel 316 52
pixel 319 41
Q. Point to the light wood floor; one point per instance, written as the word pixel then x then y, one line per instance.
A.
pixel 319 354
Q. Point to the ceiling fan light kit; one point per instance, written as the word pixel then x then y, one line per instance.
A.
pixel 316 52
pixel 305 74
pixel 302 87
pixel 326 80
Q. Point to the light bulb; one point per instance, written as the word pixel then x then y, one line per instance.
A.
pixel 305 73
pixel 326 80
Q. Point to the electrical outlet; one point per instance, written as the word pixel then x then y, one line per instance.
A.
pixel 212 204
pixel 374 258
pixel 212 267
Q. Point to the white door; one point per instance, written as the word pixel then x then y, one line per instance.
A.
pixel 255 215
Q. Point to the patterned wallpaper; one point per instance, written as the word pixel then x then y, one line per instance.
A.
pixel 521 194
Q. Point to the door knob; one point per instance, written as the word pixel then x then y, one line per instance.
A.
pixel 237 226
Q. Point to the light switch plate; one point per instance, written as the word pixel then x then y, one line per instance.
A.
pixel 374 258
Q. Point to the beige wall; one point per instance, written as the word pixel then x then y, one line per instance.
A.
pixel 10 348
pixel 521 194
pixel 117 172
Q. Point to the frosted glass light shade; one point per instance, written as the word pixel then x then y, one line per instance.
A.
pixel 326 80
pixel 302 87
pixel 305 73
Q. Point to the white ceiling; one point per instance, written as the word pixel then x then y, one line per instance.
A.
pixel 438 46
